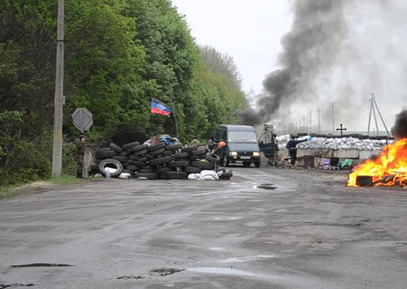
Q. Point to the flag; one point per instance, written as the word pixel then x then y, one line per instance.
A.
pixel 157 107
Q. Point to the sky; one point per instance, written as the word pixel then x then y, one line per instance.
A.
pixel 247 31
pixel 368 55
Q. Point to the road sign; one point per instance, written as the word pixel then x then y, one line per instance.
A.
pixel 82 119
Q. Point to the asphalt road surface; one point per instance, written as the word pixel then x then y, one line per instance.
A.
pixel 265 228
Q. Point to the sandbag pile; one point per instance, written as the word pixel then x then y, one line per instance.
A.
pixel 156 161
pixel 345 143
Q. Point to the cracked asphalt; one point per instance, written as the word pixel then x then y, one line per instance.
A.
pixel 265 228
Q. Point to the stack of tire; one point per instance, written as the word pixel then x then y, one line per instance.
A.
pixel 157 161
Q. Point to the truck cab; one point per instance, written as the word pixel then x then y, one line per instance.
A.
pixel 241 145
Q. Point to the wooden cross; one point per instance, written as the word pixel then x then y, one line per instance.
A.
pixel 341 129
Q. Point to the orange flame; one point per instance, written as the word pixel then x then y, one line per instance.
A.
pixel 388 169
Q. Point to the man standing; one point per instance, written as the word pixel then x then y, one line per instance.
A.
pixel 292 147
pixel 80 152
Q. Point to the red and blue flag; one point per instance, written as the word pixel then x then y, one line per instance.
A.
pixel 157 107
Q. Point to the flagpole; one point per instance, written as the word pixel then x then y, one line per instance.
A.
pixel 175 119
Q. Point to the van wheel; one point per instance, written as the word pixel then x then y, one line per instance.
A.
pixel 225 161
pixel 257 164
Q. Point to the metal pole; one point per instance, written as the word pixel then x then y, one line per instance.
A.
pixel 59 91
pixel 333 119
pixel 374 101
pixel 370 116
pixel 375 120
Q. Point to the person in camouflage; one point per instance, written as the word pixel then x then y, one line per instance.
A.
pixel 80 152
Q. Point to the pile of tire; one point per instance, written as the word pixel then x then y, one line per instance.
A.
pixel 157 161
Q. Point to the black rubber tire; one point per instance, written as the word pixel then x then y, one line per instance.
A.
pixel 129 146
pixel 143 159
pixel 212 158
pixel 139 148
pixel 104 153
pixel 137 163
pixel 173 147
pixel 228 174
pixel 149 157
pixel 174 175
pixel 190 148
pixel 167 153
pixel 181 155
pixel 132 168
pixel 257 164
pixel 163 170
pixel 147 170
pixel 126 153
pixel 160 161
pixel 149 176
pixel 134 158
pixel 156 146
pixel 110 163
pixel 192 170
pixel 178 164
pixel 140 152
pixel 116 148
pixel 198 152
pixel 157 151
pixel 121 159
pixel 197 158
pixel 203 165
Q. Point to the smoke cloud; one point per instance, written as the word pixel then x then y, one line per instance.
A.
pixel 337 53
pixel 399 130
pixel 309 48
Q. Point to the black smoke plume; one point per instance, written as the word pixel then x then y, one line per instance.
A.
pixel 399 130
pixel 309 49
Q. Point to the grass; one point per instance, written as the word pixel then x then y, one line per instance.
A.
pixel 16 189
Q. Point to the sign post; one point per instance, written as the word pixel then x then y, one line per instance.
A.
pixel 83 120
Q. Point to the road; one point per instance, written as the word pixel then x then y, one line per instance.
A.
pixel 264 228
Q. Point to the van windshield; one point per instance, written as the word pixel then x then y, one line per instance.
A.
pixel 242 137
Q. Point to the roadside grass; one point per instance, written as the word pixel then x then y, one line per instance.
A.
pixel 17 189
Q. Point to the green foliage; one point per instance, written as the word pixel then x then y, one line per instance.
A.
pixel 21 159
pixel 118 55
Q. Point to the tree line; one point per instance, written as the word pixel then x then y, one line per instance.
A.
pixel 118 55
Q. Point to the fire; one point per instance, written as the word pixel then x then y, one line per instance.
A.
pixel 388 169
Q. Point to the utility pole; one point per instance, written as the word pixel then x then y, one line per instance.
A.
pixel 373 108
pixel 59 92
pixel 333 119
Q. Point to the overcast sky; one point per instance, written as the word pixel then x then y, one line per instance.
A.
pixel 372 57
pixel 248 31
